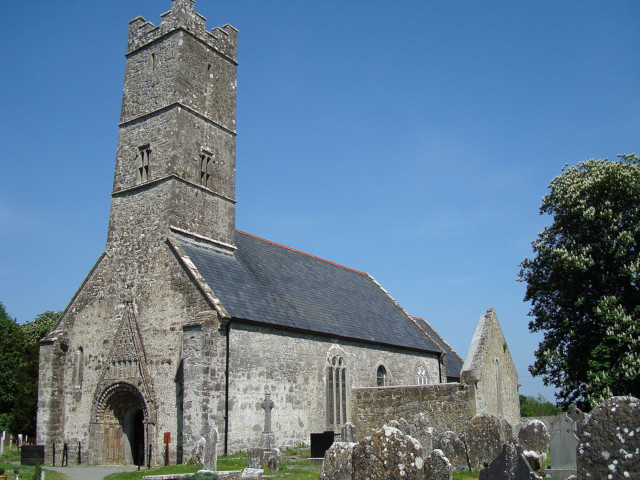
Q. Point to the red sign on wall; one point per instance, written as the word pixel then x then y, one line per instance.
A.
pixel 167 437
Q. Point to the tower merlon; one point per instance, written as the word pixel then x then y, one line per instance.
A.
pixel 183 17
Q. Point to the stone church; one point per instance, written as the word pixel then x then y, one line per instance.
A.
pixel 184 321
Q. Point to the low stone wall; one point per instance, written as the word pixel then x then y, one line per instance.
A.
pixel 446 406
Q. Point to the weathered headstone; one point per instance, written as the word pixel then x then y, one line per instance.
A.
pixel 197 454
pixel 349 433
pixel 255 457
pixel 427 436
pixel 252 473
pixel 210 454
pixel 272 457
pixel 610 442
pixel 534 440
pixel 337 464
pixel 404 426
pixel 453 449
pixel 388 453
pixel 565 436
pixel 510 464
pixel 437 466
pixel 484 435
pixel 268 438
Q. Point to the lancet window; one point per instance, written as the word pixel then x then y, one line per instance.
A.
pixel 336 392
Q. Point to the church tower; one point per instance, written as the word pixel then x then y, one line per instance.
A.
pixel 175 164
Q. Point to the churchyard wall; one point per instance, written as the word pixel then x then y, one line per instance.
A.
pixel 293 367
pixel 447 406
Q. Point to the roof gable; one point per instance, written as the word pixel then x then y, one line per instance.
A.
pixel 268 283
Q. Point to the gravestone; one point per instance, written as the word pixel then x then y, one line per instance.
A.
pixel 437 466
pixel 337 464
pixel 252 473
pixel 609 446
pixel 454 449
pixel 388 453
pixel 349 433
pixel 255 457
pixel 32 455
pixel 210 454
pixel 534 440
pixel 428 437
pixel 197 454
pixel 565 437
pixel 268 438
pixel 273 457
pixel 484 435
pixel 510 464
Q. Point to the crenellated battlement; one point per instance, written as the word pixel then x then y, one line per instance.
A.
pixel 183 16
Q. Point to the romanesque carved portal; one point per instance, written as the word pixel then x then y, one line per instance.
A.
pixel 121 424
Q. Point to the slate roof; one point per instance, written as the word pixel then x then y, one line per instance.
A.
pixel 276 285
pixel 454 362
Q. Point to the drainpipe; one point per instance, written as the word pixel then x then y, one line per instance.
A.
pixel 226 394
pixel 440 367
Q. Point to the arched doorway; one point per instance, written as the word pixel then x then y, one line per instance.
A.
pixel 121 421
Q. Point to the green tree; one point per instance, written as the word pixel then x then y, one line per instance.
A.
pixel 11 343
pixel 583 282
pixel 537 406
pixel 19 348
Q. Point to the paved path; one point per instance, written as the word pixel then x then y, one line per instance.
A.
pixel 91 473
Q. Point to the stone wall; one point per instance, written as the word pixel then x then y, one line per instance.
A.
pixel 293 366
pixel 447 406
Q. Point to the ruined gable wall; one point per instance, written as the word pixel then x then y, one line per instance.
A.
pixel 447 406
pixel 490 369
pixel 292 367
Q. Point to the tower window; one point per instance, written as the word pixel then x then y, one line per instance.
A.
pixel 142 172
pixel 152 62
pixel 206 169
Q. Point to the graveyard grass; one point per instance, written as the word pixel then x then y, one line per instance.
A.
pixel 11 459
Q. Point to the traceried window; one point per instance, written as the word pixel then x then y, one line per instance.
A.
pixel 143 159
pixel 336 392
pixel 381 376
pixel 206 169
pixel 421 375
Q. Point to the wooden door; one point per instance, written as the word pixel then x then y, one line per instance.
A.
pixel 113 444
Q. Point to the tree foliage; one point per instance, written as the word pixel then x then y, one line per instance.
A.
pixel 19 348
pixel 584 282
pixel 537 406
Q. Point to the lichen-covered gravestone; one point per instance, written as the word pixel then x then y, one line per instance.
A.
pixel 210 457
pixel 510 464
pixel 609 446
pixel 484 435
pixel 453 449
pixel 337 464
pixel 387 454
pixel 437 466
pixel 534 440
pixel 424 433
pixel 255 457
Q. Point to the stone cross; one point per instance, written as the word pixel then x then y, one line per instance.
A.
pixel 267 404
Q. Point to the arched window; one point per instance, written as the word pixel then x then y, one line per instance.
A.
pixel 381 376
pixel 421 375
pixel 78 366
pixel 336 392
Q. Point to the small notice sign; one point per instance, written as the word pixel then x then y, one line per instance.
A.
pixel 167 437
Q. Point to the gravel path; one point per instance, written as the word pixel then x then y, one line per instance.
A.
pixel 91 472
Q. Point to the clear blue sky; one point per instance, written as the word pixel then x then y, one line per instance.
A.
pixel 412 140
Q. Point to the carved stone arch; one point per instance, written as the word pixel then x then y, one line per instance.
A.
pixel 338 388
pixel 121 424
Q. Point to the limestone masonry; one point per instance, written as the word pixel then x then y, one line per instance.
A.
pixel 184 322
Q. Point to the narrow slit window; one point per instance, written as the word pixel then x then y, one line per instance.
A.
pixel 152 62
